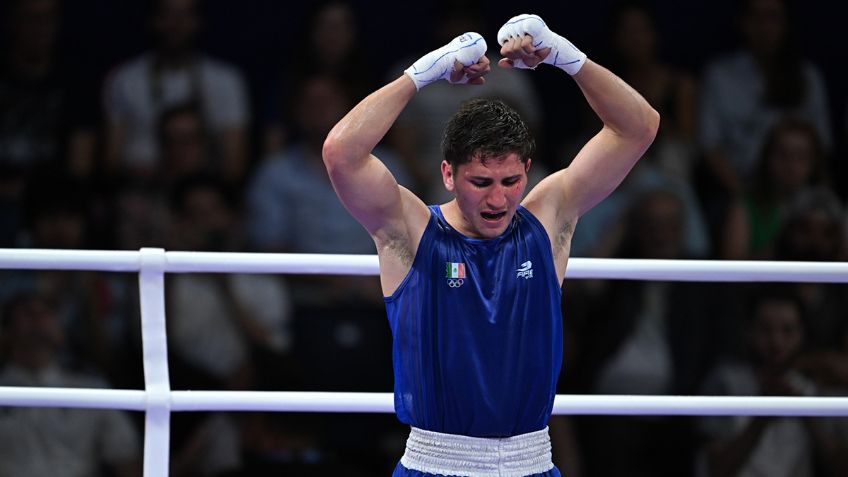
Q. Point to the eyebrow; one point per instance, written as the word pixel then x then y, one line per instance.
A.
pixel 487 178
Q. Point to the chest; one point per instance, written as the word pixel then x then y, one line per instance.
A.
pixel 493 274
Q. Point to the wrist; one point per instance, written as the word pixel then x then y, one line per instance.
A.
pixel 564 55
pixel 417 82
pixel 408 82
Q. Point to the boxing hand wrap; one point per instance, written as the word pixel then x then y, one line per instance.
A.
pixel 467 49
pixel 563 54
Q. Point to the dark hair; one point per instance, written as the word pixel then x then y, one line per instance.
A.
pixel 763 188
pixel 180 192
pixel 760 294
pixel 780 293
pixel 486 128
pixel 795 241
pixel 191 107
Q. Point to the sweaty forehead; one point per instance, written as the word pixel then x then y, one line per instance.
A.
pixel 493 164
pixel 484 157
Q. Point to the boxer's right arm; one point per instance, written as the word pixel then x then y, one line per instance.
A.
pixel 362 182
pixel 393 215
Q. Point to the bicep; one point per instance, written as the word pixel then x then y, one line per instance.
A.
pixel 371 194
pixel 599 167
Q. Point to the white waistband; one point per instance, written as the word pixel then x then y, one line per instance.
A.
pixel 455 455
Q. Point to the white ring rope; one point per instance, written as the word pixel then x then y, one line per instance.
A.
pixel 304 263
pixel 158 400
pixel 345 402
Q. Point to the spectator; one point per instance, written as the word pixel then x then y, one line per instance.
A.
pixel 333 48
pixel 669 161
pixel 340 337
pixel 174 72
pixel 47 117
pixel 140 213
pixel 140 203
pixel 648 337
pixel 184 141
pixel 813 231
pixel 57 217
pixel 637 46
pixel 601 230
pixel 45 441
pixel 291 204
pixel 746 92
pixel 226 331
pixel 773 446
pixel 218 321
pixel 792 159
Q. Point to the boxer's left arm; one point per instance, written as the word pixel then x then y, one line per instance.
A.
pixel 629 127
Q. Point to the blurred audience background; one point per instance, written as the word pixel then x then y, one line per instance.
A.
pixel 197 125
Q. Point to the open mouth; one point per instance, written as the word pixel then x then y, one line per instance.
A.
pixel 492 216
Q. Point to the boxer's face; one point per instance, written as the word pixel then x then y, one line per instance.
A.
pixel 487 192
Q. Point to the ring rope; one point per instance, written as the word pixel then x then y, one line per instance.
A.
pixel 158 400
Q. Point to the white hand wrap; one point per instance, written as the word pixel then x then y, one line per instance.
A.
pixel 438 64
pixel 563 54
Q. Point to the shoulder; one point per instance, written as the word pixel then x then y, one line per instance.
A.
pixel 546 200
pixel 527 219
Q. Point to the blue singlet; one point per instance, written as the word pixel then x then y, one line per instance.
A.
pixel 477 328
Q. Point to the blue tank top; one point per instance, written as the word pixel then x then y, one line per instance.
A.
pixel 477 330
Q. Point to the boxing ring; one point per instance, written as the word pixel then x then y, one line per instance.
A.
pixel 158 401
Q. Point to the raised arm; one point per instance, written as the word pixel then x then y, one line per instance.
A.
pixel 362 182
pixel 393 216
pixel 630 123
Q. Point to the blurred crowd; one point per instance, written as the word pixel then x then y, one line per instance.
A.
pixel 180 145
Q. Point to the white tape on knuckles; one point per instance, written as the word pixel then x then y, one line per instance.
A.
pixel 563 55
pixel 438 64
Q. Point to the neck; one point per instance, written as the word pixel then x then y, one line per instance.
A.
pixel 454 218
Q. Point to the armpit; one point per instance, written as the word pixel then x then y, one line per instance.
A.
pixel 562 240
pixel 397 246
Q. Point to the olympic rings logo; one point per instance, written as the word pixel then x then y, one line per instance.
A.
pixel 455 282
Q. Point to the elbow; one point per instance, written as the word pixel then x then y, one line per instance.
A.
pixel 640 129
pixel 651 124
pixel 332 151
pixel 341 154
pixel 647 129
